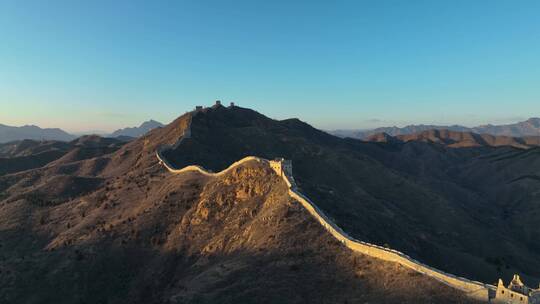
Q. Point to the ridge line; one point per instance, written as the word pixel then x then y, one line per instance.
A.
pixel 473 289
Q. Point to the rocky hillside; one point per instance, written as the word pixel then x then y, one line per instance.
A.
pixel 444 206
pixel 30 154
pixel 118 228
pixel 29 147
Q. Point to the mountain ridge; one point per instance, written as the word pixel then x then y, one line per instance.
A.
pixel 422 199
pixel 475 290
pixel 11 133
pixel 30 154
pixel 135 132
pixel 133 233
pixel 33 132
pixel 529 127
pixel 221 139
pixel 458 139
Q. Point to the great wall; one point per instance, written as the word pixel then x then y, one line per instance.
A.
pixel 473 289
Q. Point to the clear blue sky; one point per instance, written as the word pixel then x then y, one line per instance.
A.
pixel 83 65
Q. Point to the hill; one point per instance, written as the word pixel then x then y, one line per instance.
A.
pixel 29 147
pixel 29 154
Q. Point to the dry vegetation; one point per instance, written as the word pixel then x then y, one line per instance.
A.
pixel 165 238
pixel 101 227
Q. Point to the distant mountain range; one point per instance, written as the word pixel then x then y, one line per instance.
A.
pixel 457 139
pixel 137 131
pixel 530 127
pixel 10 133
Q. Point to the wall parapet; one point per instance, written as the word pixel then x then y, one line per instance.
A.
pixel 474 289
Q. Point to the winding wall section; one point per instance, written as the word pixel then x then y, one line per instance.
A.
pixel 473 289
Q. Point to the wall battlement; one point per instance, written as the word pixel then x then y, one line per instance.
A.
pixel 281 166
pixel 516 292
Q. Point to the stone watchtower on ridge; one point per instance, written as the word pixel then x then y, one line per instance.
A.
pixel 281 166
pixel 516 292
pixel 216 104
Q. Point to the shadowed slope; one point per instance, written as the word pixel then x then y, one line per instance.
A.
pixel 188 238
pixel 445 207
pixel 137 234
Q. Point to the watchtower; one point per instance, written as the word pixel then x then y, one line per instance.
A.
pixel 218 102
pixel 282 166
pixel 232 104
pixel 516 292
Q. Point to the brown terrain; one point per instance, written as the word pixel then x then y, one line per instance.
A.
pixel 469 211
pixel 116 227
pixel 30 154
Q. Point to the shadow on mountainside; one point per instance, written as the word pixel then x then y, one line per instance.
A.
pixel 469 212
pixel 187 238
pixel 448 207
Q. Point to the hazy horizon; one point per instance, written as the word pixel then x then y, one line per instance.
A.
pixel 376 124
pixel 104 65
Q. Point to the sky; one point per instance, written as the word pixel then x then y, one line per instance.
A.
pixel 102 65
